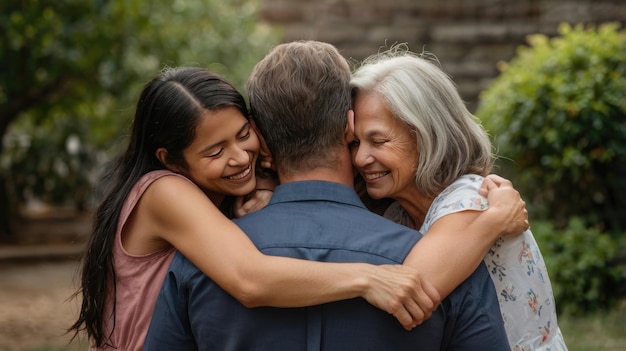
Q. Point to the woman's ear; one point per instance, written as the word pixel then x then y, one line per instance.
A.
pixel 161 155
pixel 264 152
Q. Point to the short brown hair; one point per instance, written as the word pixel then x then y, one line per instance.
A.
pixel 299 97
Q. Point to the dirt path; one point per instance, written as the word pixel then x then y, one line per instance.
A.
pixel 34 309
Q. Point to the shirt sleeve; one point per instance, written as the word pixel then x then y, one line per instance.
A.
pixel 461 195
pixel 170 328
pixel 474 319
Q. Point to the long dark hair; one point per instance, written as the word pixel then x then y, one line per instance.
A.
pixel 168 111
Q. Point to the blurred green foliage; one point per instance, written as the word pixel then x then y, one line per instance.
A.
pixel 584 265
pixel 74 69
pixel 557 113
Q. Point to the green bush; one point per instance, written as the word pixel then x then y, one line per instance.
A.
pixel 584 265
pixel 54 167
pixel 76 68
pixel 558 115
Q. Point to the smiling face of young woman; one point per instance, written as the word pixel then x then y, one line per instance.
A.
pixel 384 150
pixel 222 156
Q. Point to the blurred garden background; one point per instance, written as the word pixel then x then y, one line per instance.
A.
pixel 546 77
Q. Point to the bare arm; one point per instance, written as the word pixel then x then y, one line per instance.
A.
pixel 183 216
pixel 456 243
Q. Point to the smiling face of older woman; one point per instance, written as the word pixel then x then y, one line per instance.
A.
pixel 384 150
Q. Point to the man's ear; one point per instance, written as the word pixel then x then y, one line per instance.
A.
pixel 264 151
pixel 349 132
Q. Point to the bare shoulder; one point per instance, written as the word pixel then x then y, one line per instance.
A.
pixel 167 200
pixel 170 187
pixel 178 212
pixel 148 225
pixel 176 201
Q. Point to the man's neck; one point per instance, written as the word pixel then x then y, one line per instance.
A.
pixel 320 173
pixel 340 173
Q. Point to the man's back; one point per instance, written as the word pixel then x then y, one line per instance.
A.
pixel 319 221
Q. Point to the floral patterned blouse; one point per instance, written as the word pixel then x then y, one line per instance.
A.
pixel 516 266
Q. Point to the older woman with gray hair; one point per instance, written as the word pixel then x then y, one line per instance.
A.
pixel 416 142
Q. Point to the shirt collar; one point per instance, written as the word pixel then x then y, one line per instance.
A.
pixel 316 190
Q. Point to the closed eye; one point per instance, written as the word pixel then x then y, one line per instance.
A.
pixel 217 154
pixel 244 132
pixel 245 136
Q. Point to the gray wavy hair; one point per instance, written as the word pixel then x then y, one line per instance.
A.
pixel 451 141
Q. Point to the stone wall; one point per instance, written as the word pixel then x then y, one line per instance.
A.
pixel 469 37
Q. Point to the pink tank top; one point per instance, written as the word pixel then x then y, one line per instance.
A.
pixel 138 279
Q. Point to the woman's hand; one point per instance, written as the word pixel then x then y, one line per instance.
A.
pixel 252 202
pixel 266 182
pixel 402 292
pixel 511 209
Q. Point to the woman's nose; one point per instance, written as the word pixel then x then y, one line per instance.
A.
pixel 361 156
pixel 239 157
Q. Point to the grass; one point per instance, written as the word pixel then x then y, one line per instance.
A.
pixel 595 332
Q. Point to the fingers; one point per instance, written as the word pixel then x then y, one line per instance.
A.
pixel 431 300
pixel 524 224
pixel 511 210
pixel 500 181
pixel 415 302
pixel 410 314
pixel 416 313
pixel 424 303
pixel 520 224
pixel 256 201
pixel 493 181
pixel 250 206
pixel 238 211
pixel 487 185
pixel 404 317
pixel 407 311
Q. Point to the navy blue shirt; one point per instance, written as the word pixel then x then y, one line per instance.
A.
pixel 320 221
